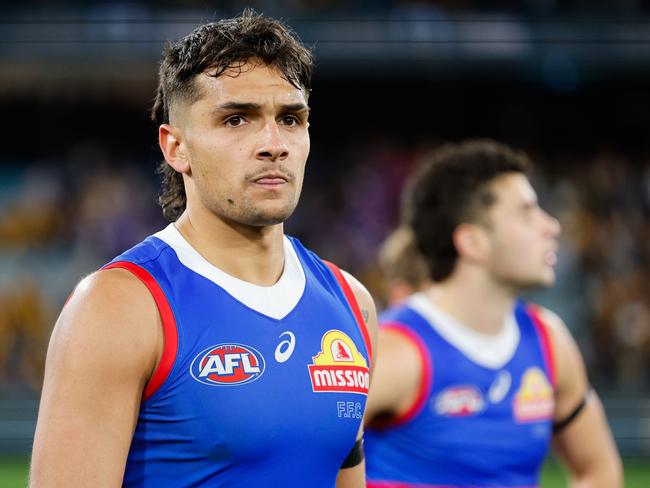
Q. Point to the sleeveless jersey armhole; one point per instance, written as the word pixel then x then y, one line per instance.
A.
pixel 545 342
pixel 352 301
pixel 426 380
pixel 170 333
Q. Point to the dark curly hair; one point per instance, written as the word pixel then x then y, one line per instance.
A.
pixel 218 46
pixel 454 188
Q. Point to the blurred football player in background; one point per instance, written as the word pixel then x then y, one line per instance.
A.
pixel 473 383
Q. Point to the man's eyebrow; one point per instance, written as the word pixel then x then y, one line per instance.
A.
pixel 237 106
pixel 528 204
pixel 295 107
pixel 252 107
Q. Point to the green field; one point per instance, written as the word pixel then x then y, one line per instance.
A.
pixel 637 474
pixel 13 474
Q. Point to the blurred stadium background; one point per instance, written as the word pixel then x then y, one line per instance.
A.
pixel 568 81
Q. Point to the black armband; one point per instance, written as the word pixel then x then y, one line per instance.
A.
pixel 560 425
pixel 355 456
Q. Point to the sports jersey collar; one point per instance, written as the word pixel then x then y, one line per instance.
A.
pixel 275 301
pixel 489 351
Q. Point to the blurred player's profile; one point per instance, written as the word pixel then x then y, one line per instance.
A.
pixel 403 270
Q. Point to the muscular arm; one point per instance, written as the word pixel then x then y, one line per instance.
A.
pixel 355 477
pixel 585 445
pixel 103 349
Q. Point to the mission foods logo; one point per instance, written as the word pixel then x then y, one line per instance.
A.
pixel 227 365
pixel 534 399
pixel 339 366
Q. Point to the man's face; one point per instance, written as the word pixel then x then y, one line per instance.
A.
pixel 247 143
pixel 522 237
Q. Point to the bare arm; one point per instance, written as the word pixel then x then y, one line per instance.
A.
pixel 103 349
pixel 585 445
pixel 397 376
pixel 355 477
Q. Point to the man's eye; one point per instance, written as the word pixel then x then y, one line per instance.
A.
pixel 528 211
pixel 235 121
pixel 290 120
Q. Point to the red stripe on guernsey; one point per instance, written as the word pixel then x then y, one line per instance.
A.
pixel 170 333
pixel 352 300
pixel 426 381
pixel 403 484
pixel 545 341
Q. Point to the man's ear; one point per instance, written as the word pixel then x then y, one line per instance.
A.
pixel 172 145
pixel 471 242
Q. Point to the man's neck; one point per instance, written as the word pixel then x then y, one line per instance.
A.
pixel 252 254
pixel 477 303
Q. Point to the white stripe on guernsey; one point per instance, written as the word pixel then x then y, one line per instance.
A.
pixel 275 301
pixel 489 351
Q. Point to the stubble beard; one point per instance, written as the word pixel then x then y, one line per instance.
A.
pixel 244 210
pixel 254 214
pixel 236 206
pixel 517 284
pixel 531 284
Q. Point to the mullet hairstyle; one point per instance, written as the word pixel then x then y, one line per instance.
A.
pixel 453 188
pixel 217 46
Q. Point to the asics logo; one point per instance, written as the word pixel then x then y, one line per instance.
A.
pixel 500 387
pixel 285 349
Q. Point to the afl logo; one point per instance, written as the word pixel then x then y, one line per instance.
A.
pixel 227 365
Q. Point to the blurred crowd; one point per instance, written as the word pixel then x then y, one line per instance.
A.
pixel 64 219
pixel 544 6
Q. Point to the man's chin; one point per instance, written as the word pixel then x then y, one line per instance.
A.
pixel 269 217
pixel 545 281
pixel 542 282
pixel 266 222
pixel 549 278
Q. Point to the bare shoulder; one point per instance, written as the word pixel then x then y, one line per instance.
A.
pixel 361 293
pixel 113 311
pixel 105 287
pixel 572 381
pixel 561 339
pixel 103 349
pixel 554 322
pixel 398 374
pixel 366 305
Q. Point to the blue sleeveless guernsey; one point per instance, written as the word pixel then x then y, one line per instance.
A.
pixel 479 420
pixel 257 386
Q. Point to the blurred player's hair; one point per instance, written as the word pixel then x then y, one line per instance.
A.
pixel 403 268
pixel 217 46
pixel 452 188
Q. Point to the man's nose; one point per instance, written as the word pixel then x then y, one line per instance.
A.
pixel 272 146
pixel 553 225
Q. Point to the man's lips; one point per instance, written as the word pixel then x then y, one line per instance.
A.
pixel 270 180
pixel 550 258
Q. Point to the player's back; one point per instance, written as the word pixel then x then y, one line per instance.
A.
pixel 483 417
pixel 258 386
